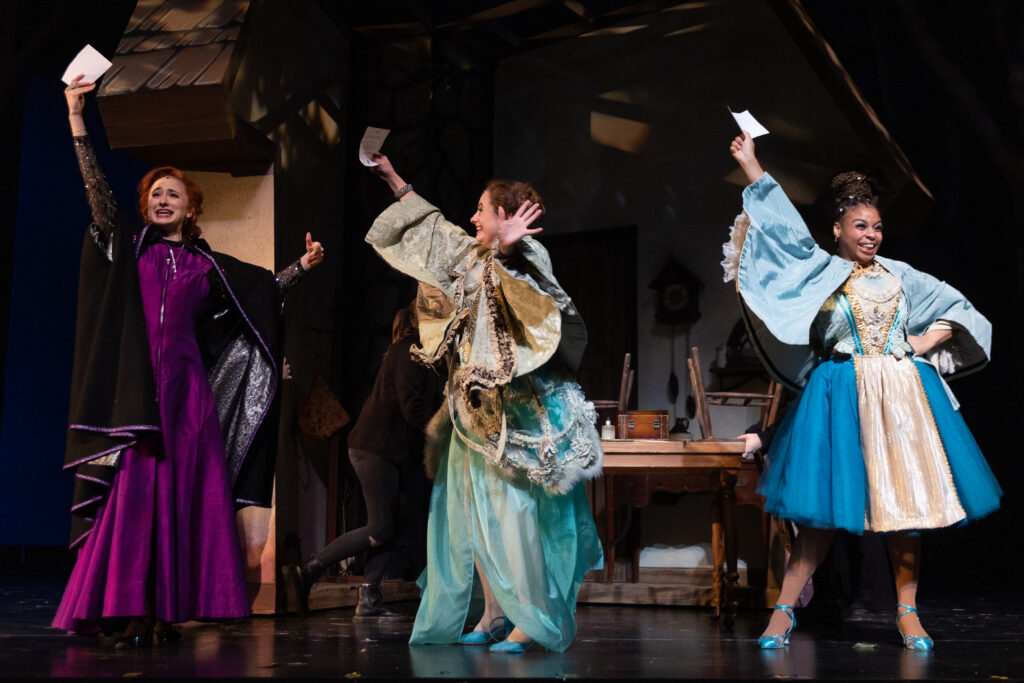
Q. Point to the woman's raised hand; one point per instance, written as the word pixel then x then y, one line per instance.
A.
pixel 384 169
pixel 513 228
pixel 386 172
pixel 74 94
pixel 742 150
pixel 314 253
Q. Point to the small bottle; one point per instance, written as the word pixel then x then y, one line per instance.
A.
pixel 607 431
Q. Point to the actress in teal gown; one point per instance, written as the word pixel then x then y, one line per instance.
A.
pixel 515 439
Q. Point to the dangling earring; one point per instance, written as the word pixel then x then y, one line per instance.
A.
pixel 837 238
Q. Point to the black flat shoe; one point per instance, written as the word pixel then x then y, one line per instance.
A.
pixel 166 634
pixel 135 641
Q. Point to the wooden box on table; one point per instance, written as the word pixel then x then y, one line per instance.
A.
pixel 643 424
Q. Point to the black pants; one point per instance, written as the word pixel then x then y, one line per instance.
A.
pixel 380 481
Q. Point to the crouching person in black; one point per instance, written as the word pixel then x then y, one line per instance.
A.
pixel 386 441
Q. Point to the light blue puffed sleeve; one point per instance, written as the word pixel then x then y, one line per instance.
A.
pixel 783 277
pixel 930 300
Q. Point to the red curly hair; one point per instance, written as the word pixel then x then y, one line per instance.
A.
pixel 190 230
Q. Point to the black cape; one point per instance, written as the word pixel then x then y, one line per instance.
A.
pixel 113 393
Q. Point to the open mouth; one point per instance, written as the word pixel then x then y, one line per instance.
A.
pixel 163 213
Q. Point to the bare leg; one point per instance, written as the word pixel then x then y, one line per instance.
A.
pixel 905 555
pixel 518 636
pixel 492 610
pixel 809 549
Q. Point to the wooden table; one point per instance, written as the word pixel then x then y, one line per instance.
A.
pixel 653 459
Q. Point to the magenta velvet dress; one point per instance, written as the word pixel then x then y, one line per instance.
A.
pixel 165 544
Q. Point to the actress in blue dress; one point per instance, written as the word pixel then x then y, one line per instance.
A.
pixel 875 441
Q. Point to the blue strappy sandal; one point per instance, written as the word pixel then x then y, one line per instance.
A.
pixel 779 640
pixel 913 642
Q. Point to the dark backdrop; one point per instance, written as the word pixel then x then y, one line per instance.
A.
pixel 43 216
pixel 946 78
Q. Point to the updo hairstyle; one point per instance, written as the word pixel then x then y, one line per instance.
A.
pixel 510 195
pixel 851 189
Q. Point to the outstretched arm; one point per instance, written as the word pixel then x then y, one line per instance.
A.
pixel 97 190
pixel 742 150
pixel 386 172
pixel 75 94
pixel 292 274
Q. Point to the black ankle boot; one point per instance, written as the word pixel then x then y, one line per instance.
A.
pixel 371 605
pixel 299 580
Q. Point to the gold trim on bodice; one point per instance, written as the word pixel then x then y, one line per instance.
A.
pixel 874 296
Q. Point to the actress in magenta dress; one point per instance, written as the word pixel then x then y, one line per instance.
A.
pixel 175 374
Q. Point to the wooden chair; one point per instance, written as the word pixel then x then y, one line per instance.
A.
pixel 747 478
pixel 625 389
pixel 767 402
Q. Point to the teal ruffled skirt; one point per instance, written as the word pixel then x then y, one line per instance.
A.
pixel 816 474
pixel 533 546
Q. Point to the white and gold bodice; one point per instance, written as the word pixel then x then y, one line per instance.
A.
pixel 867 316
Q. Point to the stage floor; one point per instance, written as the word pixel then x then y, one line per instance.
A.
pixel 976 638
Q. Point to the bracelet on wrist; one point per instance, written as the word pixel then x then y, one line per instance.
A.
pixel 402 191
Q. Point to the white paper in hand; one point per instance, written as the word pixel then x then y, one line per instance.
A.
pixel 88 62
pixel 748 123
pixel 373 140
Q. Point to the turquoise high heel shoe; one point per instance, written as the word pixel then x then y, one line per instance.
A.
pixel 779 640
pixel 503 628
pixel 912 642
pixel 509 647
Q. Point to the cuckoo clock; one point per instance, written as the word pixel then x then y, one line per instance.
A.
pixel 678 291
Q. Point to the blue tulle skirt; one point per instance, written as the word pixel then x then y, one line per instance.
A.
pixel 816 474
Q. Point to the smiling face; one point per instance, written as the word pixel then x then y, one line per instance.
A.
pixel 485 220
pixel 168 205
pixel 858 234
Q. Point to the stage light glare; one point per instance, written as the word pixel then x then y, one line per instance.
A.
pixel 622 134
pixel 612 31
